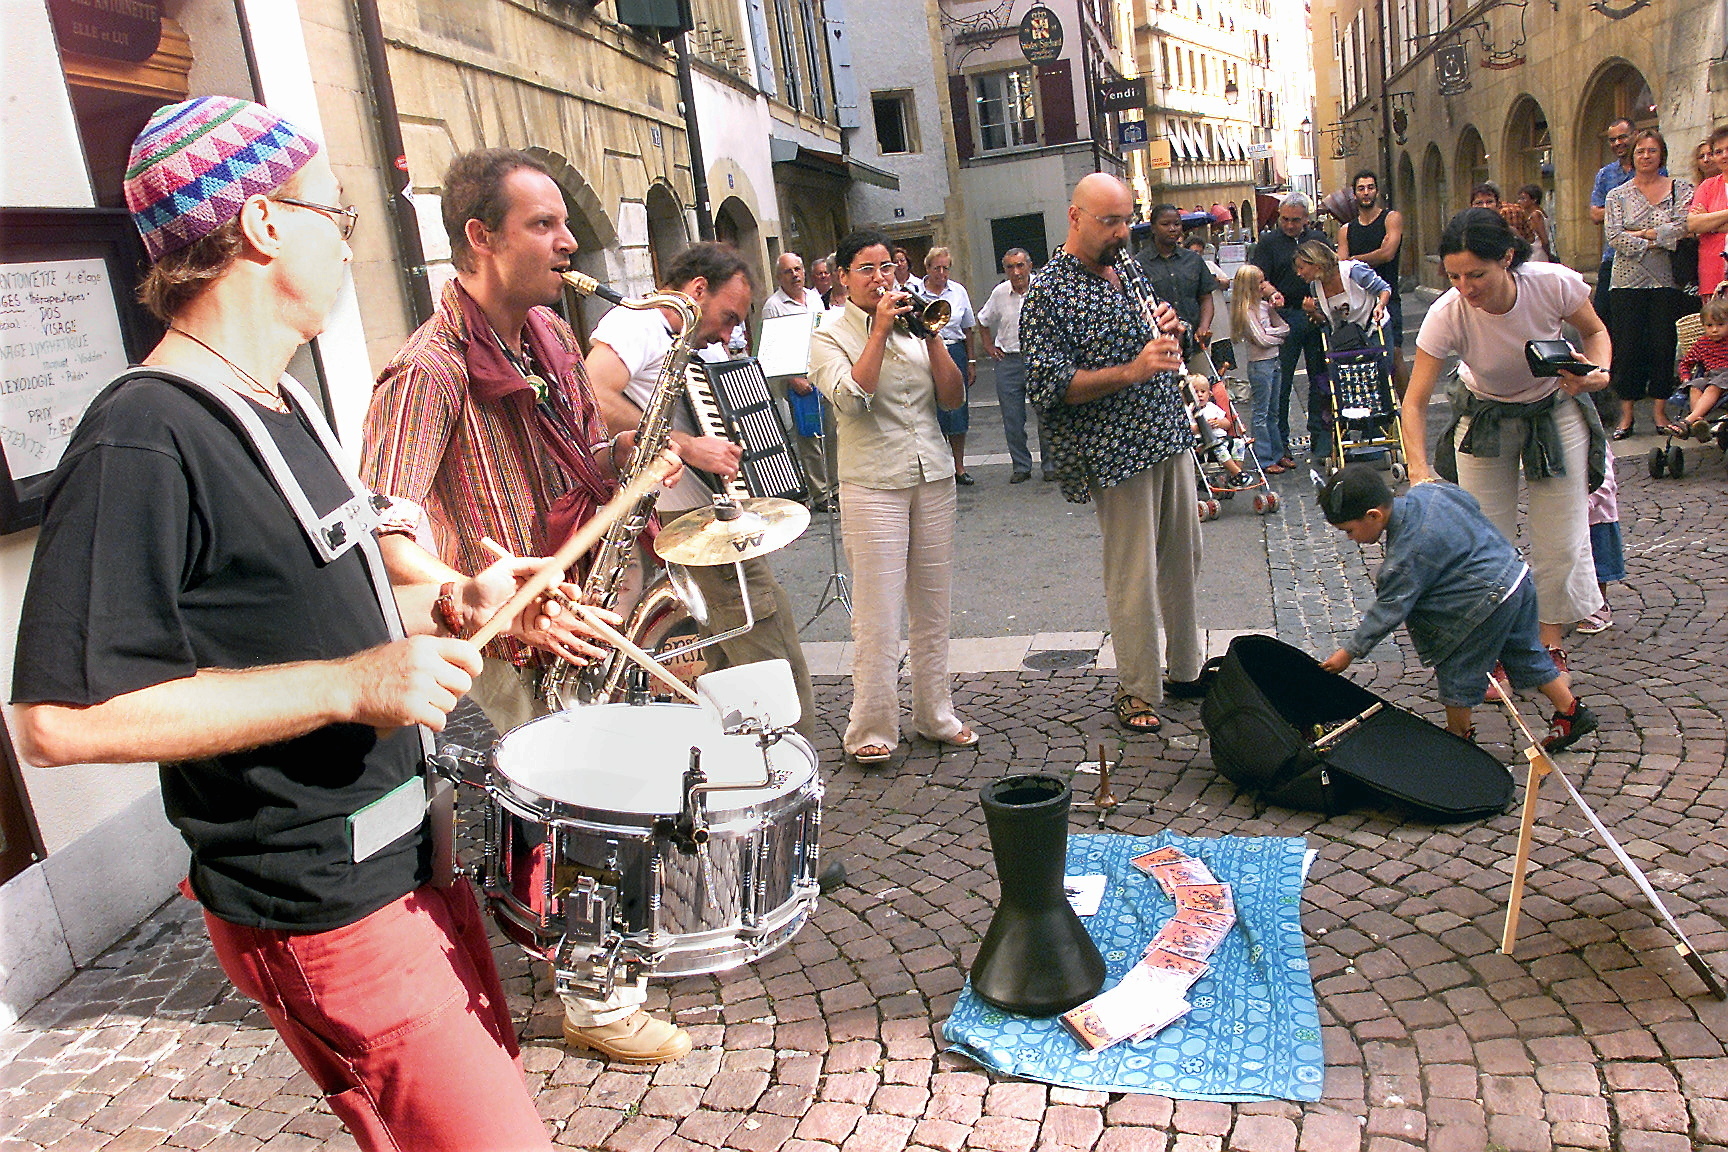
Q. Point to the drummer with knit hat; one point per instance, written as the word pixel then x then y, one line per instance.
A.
pixel 206 593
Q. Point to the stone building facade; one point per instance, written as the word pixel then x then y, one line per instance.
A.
pixel 1445 95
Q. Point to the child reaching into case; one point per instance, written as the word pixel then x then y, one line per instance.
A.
pixel 1460 588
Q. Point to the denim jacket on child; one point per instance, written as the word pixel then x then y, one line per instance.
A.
pixel 1447 568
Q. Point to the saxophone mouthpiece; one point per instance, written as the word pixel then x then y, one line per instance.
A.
pixel 585 285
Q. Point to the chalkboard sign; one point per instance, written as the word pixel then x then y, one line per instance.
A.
pixel 69 323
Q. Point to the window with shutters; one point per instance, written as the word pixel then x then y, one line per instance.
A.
pixel 786 38
pixel 1007 110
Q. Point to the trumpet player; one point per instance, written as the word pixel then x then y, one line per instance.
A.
pixel 1102 365
pixel 485 422
pixel 897 496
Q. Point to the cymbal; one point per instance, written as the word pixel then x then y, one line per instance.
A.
pixel 755 527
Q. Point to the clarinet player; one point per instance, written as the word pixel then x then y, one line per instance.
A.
pixel 1106 380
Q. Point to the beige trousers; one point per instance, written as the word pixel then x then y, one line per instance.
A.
pixel 900 547
pixel 1151 527
pixel 1560 559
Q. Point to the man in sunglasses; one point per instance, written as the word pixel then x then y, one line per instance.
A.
pixel 1609 177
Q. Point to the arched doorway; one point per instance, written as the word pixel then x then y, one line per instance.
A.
pixel 1410 255
pixel 735 224
pixel 666 234
pixel 596 240
pixel 1616 90
pixel 1436 209
pixel 1469 164
pixel 1527 157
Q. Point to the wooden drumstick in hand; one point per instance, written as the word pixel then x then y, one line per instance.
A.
pixel 610 634
pixel 584 538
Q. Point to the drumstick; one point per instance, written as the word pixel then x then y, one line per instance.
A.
pixel 580 541
pixel 612 636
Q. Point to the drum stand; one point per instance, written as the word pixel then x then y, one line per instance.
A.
pixel 837 590
pixel 1540 767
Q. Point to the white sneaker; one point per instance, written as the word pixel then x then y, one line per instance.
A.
pixel 1597 621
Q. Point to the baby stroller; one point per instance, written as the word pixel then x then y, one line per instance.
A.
pixel 1365 421
pixel 1213 456
pixel 1670 460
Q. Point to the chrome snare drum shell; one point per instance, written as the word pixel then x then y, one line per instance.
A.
pixel 580 803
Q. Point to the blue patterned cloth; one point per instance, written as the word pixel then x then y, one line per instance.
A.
pixel 1254 1031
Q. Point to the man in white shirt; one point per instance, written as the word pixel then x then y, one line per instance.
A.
pixel 624 364
pixel 999 323
pixel 957 335
pixel 791 298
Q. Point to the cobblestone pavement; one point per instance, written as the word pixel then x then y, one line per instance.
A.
pixel 1593 1035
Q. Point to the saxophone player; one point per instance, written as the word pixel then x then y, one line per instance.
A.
pixel 629 349
pixel 1105 379
pixel 484 425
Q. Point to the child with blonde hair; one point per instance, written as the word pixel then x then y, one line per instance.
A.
pixel 1255 322
pixel 1704 367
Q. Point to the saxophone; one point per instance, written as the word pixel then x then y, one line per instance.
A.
pixel 568 685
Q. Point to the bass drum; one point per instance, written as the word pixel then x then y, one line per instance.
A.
pixel 585 864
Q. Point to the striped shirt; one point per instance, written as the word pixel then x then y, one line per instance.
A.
pixel 477 467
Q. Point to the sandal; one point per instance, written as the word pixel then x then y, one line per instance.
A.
pixel 1699 429
pixel 965 738
pixel 1679 431
pixel 872 754
pixel 1132 714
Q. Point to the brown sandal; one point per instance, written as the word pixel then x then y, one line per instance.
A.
pixel 1132 713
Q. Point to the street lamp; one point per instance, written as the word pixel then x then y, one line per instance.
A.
pixel 1232 92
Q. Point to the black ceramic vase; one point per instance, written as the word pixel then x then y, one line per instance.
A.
pixel 1036 959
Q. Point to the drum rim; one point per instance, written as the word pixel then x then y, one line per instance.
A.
pixel 507 789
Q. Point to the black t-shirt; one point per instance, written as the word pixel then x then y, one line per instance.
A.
pixel 165 549
pixel 1275 255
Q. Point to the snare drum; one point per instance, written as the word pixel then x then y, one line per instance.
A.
pixel 583 869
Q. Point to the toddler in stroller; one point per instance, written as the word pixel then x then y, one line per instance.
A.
pixel 1704 372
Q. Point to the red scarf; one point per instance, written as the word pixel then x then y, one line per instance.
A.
pixel 562 430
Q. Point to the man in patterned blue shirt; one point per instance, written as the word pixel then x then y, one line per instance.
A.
pixel 1107 384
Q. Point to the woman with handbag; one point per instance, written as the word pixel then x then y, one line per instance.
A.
pixel 1646 219
pixel 1511 428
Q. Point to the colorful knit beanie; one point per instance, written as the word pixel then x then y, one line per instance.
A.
pixel 197 162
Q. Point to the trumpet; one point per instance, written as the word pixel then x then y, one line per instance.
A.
pixel 928 317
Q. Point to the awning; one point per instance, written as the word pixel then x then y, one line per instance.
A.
pixel 784 151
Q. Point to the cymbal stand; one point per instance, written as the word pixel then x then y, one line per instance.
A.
pixel 838 589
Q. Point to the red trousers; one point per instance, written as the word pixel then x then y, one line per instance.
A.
pixel 401 1021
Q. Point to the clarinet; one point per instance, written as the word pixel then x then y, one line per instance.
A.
pixel 1134 280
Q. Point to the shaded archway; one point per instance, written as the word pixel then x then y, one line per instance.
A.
pixel 1435 211
pixel 1469 164
pixel 735 224
pixel 596 240
pixel 666 233
pixel 1410 255
pixel 1614 91
pixel 1527 155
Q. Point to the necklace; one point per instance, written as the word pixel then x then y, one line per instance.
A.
pixel 272 399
